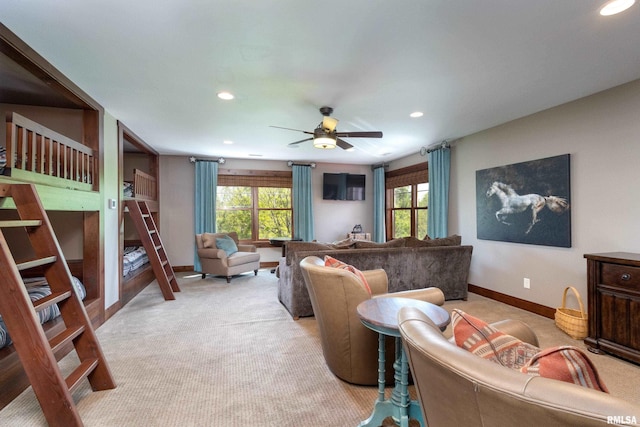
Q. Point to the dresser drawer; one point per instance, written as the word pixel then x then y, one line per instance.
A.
pixel 621 275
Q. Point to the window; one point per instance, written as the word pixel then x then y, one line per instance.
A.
pixel 256 207
pixel 407 196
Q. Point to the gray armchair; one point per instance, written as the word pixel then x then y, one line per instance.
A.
pixel 216 261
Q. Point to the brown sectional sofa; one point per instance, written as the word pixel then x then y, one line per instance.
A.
pixel 409 263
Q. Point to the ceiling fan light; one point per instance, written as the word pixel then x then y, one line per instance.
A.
pixel 324 142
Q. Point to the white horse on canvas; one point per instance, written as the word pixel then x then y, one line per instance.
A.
pixel 513 203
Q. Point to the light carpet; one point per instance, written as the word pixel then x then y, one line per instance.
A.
pixel 230 355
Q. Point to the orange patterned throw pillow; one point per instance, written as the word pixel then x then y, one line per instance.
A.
pixel 334 263
pixel 565 363
pixel 483 340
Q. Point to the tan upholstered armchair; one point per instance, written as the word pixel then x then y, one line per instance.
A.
pixel 350 349
pixel 215 260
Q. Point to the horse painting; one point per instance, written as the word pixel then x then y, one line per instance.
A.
pixel 513 203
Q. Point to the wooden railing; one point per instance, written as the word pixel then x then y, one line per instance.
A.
pixel 144 186
pixel 40 155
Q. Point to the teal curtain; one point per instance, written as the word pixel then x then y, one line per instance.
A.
pixel 302 203
pixel 437 214
pixel 206 184
pixel 379 234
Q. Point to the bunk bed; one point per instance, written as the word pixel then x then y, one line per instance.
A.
pixel 63 164
pixel 138 168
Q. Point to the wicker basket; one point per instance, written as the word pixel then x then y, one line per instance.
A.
pixel 572 322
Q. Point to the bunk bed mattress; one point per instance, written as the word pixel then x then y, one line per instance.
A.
pixel 134 258
pixel 38 288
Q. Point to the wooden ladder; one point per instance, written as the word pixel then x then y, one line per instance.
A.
pixel 148 232
pixel 36 352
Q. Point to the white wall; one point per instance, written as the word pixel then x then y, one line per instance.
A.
pixel 111 229
pixel 602 135
pixel 332 219
pixel 335 218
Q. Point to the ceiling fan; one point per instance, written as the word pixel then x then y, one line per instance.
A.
pixel 325 135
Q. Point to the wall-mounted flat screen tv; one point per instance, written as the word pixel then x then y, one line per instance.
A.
pixel 343 186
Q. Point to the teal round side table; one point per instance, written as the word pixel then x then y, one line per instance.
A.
pixel 381 316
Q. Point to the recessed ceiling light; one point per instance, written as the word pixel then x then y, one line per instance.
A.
pixel 255 155
pixel 227 142
pixel 416 114
pixel 225 95
pixel 350 149
pixel 616 6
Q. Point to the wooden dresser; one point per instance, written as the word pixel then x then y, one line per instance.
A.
pixel 614 304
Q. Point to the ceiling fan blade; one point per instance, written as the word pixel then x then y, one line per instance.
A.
pixel 329 123
pixel 343 144
pixel 297 130
pixel 298 142
pixel 359 134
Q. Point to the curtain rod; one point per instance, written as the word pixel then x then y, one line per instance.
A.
pixel 292 163
pixel 220 160
pixel 380 165
pixel 446 143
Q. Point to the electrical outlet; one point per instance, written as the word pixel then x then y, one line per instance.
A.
pixel 527 283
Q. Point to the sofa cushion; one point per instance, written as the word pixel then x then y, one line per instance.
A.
pixel 209 240
pixel 227 244
pixel 414 242
pixel 242 258
pixel 334 263
pixel 347 243
pixel 395 243
pixel 483 340
pixel 565 363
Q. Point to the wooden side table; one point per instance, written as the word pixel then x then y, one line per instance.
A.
pixel 381 315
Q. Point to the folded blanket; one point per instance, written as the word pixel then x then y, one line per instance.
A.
pixel 133 259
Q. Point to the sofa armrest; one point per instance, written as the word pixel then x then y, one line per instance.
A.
pixel 212 253
pixel 432 295
pixel 246 248
pixel 377 281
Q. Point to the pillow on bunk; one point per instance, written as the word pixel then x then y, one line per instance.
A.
pixel 227 244
pixel 38 288
pixel 5 339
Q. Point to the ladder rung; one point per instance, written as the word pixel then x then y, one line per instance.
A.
pixel 36 263
pixel 169 278
pixel 145 215
pixel 51 299
pixel 81 372
pixel 158 247
pixel 152 231
pixel 65 337
pixel 20 223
